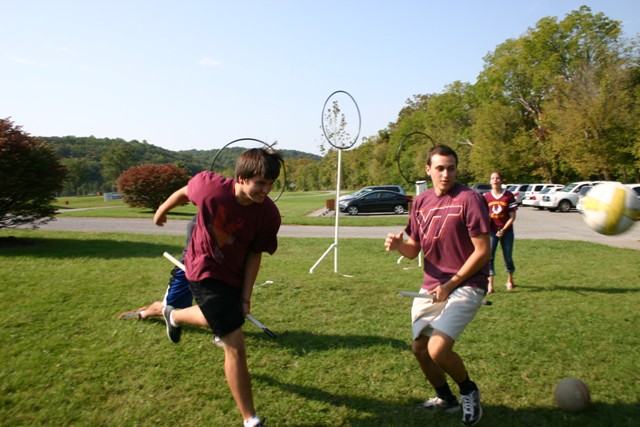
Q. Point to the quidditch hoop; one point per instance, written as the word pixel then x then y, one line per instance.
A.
pixel 401 146
pixel 335 144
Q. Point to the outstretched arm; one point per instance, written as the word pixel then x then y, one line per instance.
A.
pixel 178 198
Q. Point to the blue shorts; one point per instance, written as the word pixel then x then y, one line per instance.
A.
pixel 178 294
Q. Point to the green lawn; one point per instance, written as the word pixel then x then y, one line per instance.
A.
pixel 342 354
pixel 295 208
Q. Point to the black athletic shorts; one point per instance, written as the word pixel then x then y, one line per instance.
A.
pixel 220 303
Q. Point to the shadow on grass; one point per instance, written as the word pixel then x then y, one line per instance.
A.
pixel 53 248
pixel 381 412
pixel 301 342
pixel 594 289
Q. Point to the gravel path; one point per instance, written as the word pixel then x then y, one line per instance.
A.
pixel 530 224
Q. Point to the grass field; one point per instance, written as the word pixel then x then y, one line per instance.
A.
pixel 295 209
pixel 342 354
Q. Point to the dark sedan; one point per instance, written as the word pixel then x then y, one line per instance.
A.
pixel 377 201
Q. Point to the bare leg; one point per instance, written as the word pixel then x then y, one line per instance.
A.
pixel 235 359
pixel 490 286
pixel 440 348
pixel 154 310
pixel 237 372
pixel 434 374
pixel 190 316
pixel 510 284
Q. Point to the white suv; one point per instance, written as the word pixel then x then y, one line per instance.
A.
pixel 518 191
pixel 532 195
pixel 565 198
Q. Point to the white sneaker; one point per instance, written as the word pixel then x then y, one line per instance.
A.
pixel 441 404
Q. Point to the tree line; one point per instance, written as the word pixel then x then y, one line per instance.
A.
pixel 94 164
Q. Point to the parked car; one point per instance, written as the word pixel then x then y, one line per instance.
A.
pixel 481 188
pixel 377 201
pixel 583 192
pixel 635 188
pixel 532 195
pixel 565 198
pixel 518 191
pixel 364 190
pixel 535 199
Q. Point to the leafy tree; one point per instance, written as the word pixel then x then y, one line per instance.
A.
pixel 499 143
pixel 302 175
pixel 594 116
pixel 80 173
pixel 116 160
pixel 30 176
pixel 147 186
pixel 526 73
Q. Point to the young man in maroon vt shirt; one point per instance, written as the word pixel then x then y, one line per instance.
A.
pixel 450 224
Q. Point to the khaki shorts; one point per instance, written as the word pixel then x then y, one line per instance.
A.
pixel 449 317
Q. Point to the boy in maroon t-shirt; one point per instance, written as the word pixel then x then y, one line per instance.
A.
pixel 236 223
pixel 450 224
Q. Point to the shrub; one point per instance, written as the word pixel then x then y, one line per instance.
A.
pixel 30 175
pixel 147 186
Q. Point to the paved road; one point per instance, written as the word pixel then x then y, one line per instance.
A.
pixel 530 224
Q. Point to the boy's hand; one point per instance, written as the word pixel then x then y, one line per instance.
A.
pixel 393 241
pixel 160 218
pixel 441 293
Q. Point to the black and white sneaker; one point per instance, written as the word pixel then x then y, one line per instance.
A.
pixel 436 403
pixel 255 422
pixel 173 332
pixel 471 409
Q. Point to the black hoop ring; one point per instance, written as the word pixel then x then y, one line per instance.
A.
pixel 284 169
pixel 400 150
pixel 346 147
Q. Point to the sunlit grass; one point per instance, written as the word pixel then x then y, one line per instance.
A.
pixel 342 354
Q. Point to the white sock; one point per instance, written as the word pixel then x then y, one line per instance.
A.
pixel 251 422
pixel 174 324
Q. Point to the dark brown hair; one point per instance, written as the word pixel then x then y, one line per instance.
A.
pixel 442 150
pixel 262 162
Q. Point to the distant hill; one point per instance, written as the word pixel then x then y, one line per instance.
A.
pixel 92 148
pixel 94 164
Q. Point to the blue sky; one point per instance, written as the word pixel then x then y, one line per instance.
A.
pixel 199 74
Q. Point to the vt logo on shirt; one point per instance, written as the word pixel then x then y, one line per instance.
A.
pixel 434 221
